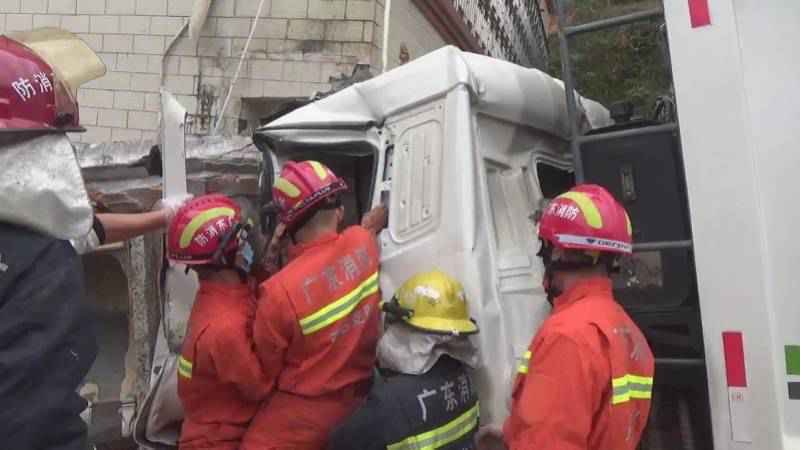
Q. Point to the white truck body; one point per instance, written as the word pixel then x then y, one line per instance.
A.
pixel 736 83
pixel 456 139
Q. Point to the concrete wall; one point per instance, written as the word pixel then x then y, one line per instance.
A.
pixel 298 45
pixel 409 27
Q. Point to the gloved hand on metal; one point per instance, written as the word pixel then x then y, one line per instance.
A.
pixel 376 219
pixel 170 205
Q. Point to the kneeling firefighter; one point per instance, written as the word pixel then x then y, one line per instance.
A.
pixel 220 381
pixel 424 396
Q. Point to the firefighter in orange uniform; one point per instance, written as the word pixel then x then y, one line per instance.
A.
pixel 317 320
pixel 586 381
pixel 220 381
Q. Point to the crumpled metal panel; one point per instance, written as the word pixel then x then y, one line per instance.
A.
pixel 42 187
pixel 497 88
pixel 121 154
pixel 109 154
pixel 120 176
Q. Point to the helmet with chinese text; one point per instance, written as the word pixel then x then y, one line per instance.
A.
pixel 40 73
pixel 204 228
pixel 302 187
pixel 587 218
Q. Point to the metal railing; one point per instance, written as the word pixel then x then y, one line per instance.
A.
pixel 508 29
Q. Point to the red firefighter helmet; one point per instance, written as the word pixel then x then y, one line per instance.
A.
pixel 200 227
pixel 31 95
pixel 301 186
pixel 587 217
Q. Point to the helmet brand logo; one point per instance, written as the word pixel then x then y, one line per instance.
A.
pixel 429 292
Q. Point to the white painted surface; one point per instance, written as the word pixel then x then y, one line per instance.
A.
pixel 736 86
pixel 741 409
pixel 498 88
pixel 461 186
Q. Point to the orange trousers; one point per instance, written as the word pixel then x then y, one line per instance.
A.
pixel 292 422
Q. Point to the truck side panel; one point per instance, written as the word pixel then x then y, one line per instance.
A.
pixel 736 87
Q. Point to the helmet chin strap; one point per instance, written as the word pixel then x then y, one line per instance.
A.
pixel 549 288
pixel 551 266
pixel 240 260
pixel 546 253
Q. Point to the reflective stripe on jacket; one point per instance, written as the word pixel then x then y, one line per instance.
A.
pixel 586 381
pixel 316 330
pixel 435 410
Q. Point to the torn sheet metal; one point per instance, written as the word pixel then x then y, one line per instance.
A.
pixel 42 187
pixel 155 425
pixel 180 287
pixel 199 149
pixel 173 145
pixel 126 176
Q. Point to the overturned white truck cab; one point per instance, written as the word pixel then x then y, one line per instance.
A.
pixel 462 149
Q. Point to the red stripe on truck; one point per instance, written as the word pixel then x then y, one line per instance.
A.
pixel 733 344
pixel 698 11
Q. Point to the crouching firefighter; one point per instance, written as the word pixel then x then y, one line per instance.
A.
pixel 424 396
pixel 586 381
pixel 220 381
pixel 317 320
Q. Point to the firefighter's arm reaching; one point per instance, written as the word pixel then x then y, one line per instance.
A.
pixel 121 227
pixel 376 219
pixel 108 228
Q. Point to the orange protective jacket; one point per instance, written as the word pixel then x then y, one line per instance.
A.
pixel 316 331
pixel 220 381
pixel 586 381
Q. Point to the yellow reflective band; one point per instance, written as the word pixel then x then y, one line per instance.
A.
pixel 339 308
pixel 201 219
pixel 628 387
pixel 442 436
pixel 319 169
pixel 588 208
pixel 184 367
pixel 285 186
pixel 523 366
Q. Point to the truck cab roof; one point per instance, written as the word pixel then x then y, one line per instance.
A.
pixel 500 89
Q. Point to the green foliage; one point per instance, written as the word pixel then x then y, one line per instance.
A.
pixel 621 64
